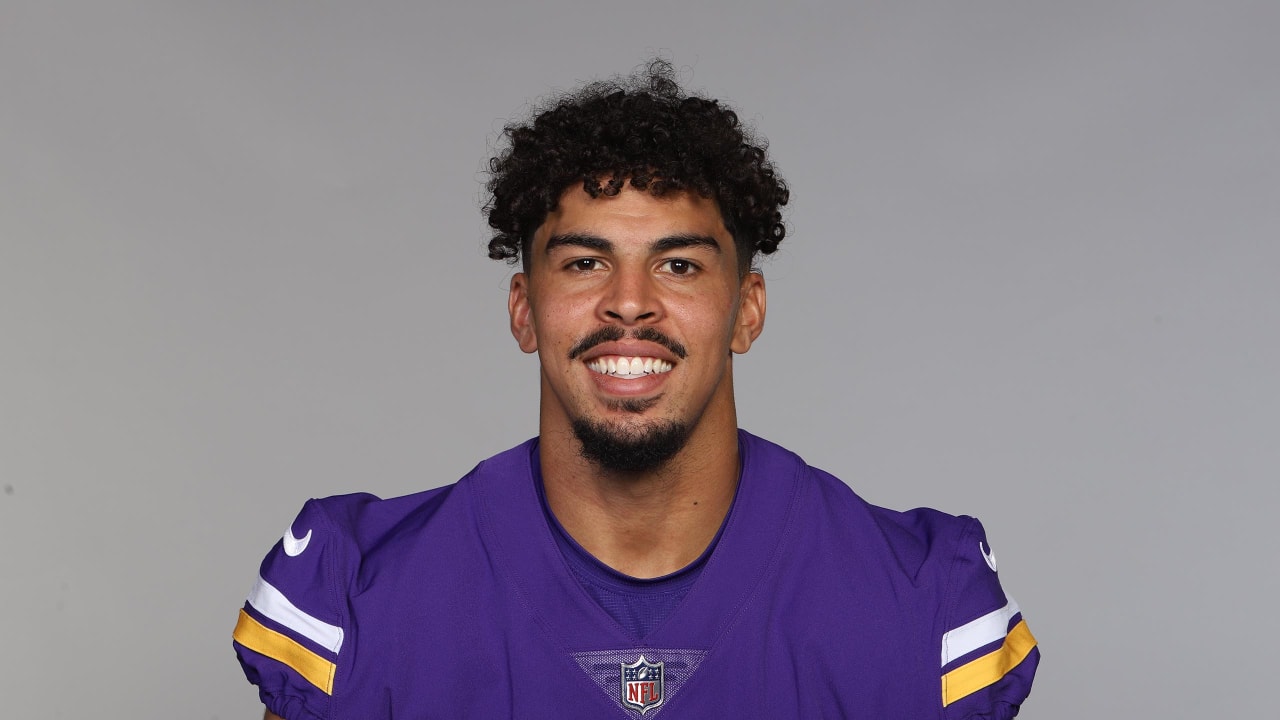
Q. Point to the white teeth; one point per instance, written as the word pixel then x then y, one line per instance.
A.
pixel 632 367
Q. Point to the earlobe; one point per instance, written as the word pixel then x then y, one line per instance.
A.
pixel 521 314
pixel 751 307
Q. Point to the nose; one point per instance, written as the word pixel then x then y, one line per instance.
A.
pixel 630 298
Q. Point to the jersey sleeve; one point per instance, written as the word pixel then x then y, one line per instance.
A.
pixel 293 628
pixel 988 655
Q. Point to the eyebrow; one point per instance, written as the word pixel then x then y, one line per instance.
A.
pixel 590 242
pixel 663 244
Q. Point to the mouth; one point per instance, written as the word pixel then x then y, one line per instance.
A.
pixel 629 368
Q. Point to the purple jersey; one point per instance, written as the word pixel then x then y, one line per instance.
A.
pixel 458 603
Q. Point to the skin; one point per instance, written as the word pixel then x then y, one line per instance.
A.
pixel 634 261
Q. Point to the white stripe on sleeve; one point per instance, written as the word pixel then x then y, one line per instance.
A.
pixel 271 602
pixel 974 634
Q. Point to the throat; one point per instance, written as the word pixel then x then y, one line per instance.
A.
pixel 642 528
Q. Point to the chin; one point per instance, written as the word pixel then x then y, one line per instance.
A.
pixel 630 447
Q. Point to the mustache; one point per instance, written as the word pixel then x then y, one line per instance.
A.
pixel 613 333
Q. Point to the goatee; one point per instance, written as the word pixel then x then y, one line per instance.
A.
pixel 630 450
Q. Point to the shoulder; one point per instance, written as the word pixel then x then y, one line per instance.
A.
pixel 919 541
pixel 295 623
pixel 295 634
pixel 985 653
pixel 983 648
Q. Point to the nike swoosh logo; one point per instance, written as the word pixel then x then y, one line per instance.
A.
pixel 293 547
pixel 990 557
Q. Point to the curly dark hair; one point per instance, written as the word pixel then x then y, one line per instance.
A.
pixel 643 130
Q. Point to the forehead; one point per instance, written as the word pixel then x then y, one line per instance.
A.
pixel 633 216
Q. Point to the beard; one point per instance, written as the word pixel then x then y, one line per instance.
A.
pixel 630 450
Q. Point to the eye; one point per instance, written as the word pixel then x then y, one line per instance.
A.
pixel 679 266
pixel 583 265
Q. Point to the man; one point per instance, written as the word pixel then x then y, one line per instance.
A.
pixel 642 556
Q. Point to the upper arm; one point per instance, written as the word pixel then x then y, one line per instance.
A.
pixel 291 631
pixel 989 656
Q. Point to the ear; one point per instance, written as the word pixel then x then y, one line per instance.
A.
pixel 521 314
pixel 751 306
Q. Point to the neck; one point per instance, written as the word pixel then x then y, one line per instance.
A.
pixel 652 523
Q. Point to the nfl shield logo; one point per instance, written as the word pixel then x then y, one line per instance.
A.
pixel 642 685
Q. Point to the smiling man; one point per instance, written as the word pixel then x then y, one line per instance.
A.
pixel 642 555
pixel 635 304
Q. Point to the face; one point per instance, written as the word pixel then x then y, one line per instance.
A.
pixel 634 305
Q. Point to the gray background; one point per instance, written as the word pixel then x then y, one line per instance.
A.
pixel 1030 276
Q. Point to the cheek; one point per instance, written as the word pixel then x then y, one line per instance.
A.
pixel 704 327
pixel 560 324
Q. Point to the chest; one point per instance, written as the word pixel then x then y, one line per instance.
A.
pixel 812 643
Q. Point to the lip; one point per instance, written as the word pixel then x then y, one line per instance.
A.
pixel 610 386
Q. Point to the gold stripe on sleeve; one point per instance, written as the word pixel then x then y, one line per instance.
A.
pixel 265 641
pixel 986 670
